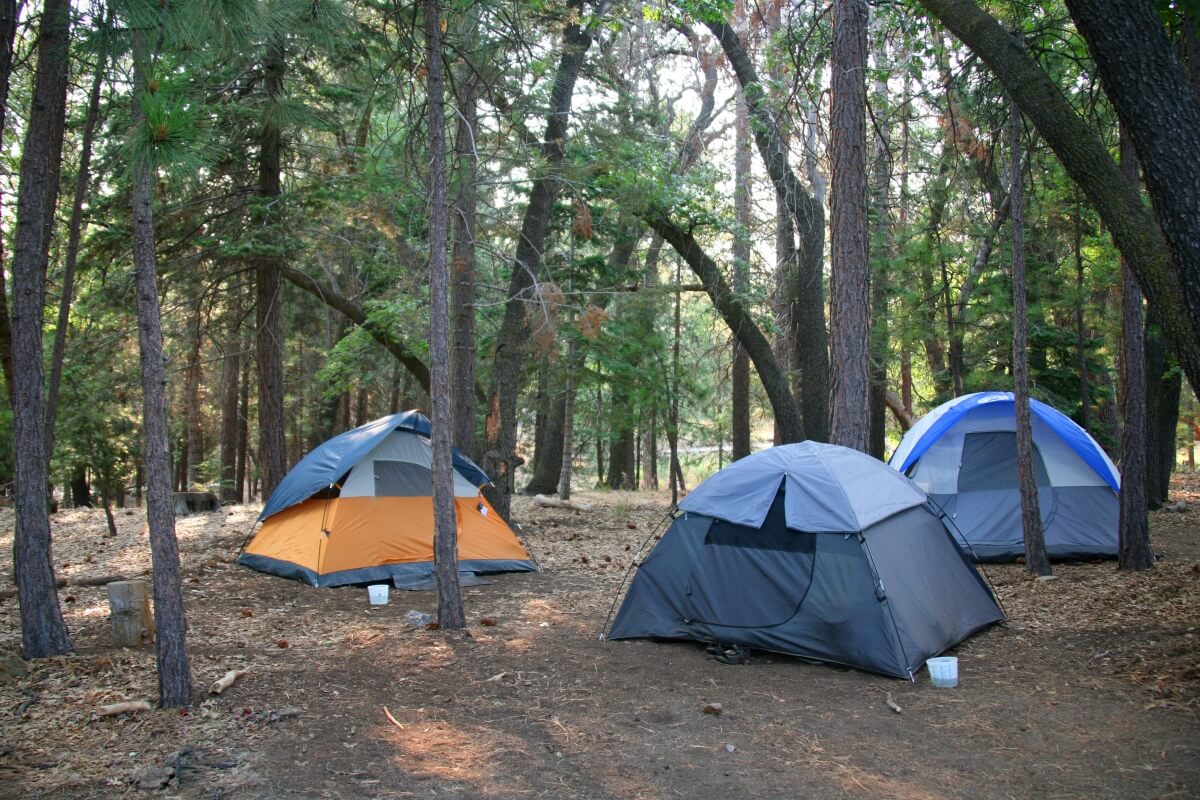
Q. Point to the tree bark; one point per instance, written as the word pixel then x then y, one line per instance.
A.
pixel 740 367
pixel 1133 551
pixel 231 368
pixel 1170 286
pixel 500 460
pixel 1162 392
pixel 811 341
pixel 8 32
pixel 881 246
pixel 1081 359
pixel 849 333
pixel 548 451
pixel 174 672
pixel 272 448
pixel 445 539
pixel 43 631
pixel 1031 516
pixel 737 317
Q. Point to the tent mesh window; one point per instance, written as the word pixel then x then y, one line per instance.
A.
pixel 402 479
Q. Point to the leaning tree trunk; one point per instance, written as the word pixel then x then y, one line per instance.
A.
pixel 272 447
pixel 174 672
pixel 1031 516
pixel 500 459
pixel 808 313
pixel 849 332
pixel 445 538
pixel 1171 286
pixel 43 631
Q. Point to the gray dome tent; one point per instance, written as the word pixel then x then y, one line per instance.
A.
pixel 813 550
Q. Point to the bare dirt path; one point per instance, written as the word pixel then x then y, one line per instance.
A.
pixel 1092 689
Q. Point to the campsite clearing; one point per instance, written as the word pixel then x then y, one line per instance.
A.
pixel 1092 689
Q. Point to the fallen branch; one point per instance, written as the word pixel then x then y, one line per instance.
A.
pixel 96 580
pixel 392 719
pixel 892 703
pixel 127 707
pixel 553 502
pixel 225 682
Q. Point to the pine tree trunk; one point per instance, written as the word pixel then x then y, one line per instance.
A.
pixel 8 32
pixel 272 448
pixel 194 452
pixel 1163 385
pixel 849 334
pixel 1031 516
pixel 1133 552
pixel 674 469
pixel 881 244
pixel 1081 359
pixel 548 451
pixel 462 266
pixel 43 631
pixel 231 367
pixel 174 672
pixel 243 423
pixel 445 540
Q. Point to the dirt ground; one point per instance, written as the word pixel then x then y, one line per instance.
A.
pixel 1091 689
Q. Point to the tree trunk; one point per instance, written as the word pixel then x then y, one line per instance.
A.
pixel 81 490
pixel 810 339
pixel 272 448
pixel 462 267
pixel 740 368
pixel 43 632
pixel 1081 359
pixel 1133 551
pixel 8 32
pixel 849 334
pixel 243 423
pixel 1031 516
pixel 1163 385
pixel 548 452
pixel 500 460
pixel 674 469
pixel 174 672
pixel 620 438
pixel 194 447
pixel 1171 286
pixel 74 231
pixel 734 312
pixel 231 367
pixel 881 245
pixel 445 540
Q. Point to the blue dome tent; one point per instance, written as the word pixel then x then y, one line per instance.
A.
pixel 964 454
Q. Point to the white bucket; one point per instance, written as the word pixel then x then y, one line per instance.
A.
pixel 943 671
pixel 378 592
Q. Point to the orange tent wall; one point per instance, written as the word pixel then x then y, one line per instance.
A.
pixel 371 531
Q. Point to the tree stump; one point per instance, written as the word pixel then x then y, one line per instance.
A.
pixel 195 502
pixel 132 622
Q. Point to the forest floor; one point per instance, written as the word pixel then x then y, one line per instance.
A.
pixel 1091 689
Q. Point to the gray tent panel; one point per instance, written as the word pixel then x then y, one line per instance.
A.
pixel 989 461
pixel 402 479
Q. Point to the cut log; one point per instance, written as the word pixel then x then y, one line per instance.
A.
pixel 127 707
pixel 132 622
pixel 553 502
pixel 225 682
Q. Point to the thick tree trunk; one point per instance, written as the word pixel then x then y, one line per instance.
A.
pixel 881 246
pixel 500 460
pixel 43 632
pixel 462 267
pixel 1171 286
pixel 849 334
pixel 1133 552
pixel 243 423
pixel 272 448
pixel 620 438
pixel 174 672
pixel 548 453
pixel 74 232
pixel 1031 516
pixel 445 540
pixel 811 341
pixel 734 312
pixel 1163 385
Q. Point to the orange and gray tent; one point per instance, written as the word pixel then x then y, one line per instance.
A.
pixel 359 509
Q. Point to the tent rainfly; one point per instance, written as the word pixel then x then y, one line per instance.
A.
pixel 813 550
pixel 359 509
pixel 964 454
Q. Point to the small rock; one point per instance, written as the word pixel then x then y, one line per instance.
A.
pixel 1046 578
pixel 713 708
pixel 730 747
pixel 153 778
